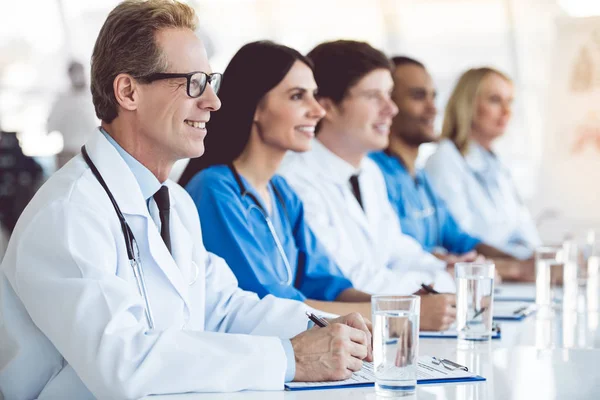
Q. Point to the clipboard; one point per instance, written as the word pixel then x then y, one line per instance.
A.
pixel 513 310
pixel 430 370
pixel 453 334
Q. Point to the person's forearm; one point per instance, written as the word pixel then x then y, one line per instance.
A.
pixel 352 295
pixel 491 252
pixel 515 270
pixel 341 308
pixel 508 267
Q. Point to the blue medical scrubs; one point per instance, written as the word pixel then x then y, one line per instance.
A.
pixel 423 214
pixel 235 229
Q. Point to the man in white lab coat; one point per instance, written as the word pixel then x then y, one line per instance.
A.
pixel 343 191
pixel 78 318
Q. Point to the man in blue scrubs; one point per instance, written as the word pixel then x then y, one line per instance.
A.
pixel 422 213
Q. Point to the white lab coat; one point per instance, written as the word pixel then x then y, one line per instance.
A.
pixel 491 212
pixel 72 322
pixel 368 245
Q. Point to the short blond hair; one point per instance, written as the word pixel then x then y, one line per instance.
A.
pixel 126 44
pixel 458 116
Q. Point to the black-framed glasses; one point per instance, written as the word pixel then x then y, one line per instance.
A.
pixel 196 81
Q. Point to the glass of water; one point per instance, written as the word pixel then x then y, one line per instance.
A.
pixel 548 277
pixel 395 344
pixel 592 286
pixel 573 269
pixel 474 300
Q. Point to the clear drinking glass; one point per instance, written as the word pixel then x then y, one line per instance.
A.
pixel 572 260
pixel 592 286
pixel 395 344
pixel 548 276
pixel 474 300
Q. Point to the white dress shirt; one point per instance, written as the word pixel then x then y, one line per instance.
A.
pixel 368 245
pixel 481 195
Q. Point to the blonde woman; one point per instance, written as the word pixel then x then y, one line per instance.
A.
pixel 467 173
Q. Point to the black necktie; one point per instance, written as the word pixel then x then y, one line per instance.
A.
pixel 356 189
pixel 162 201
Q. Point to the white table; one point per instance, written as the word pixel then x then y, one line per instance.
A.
pixel 539 358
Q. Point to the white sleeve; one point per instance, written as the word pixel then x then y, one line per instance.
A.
pixel 446 178
pixel 63 270
pixel 362 275
pixel 408 258
pixel 233 310
pixel 417 266
pixel 405 253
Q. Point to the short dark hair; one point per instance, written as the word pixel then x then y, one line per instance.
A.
pixel 252 72
pixel 339 65
pixel 403 60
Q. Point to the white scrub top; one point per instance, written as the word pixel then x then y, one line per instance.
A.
pixel 481 195
pixel 368 244
pixel 72 322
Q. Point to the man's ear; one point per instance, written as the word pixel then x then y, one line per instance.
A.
pixel 126 91
pixel 331 109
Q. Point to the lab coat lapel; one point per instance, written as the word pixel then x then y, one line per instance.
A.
pixel 182 247
pixel 117 175
pixel 337 171
pixel 128 195
pixel 358 214
pixel 161 255
pixel 371 214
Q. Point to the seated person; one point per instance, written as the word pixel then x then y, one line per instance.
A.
pixel 251 217
pixel 423 214
pixel 106 290
pixel 468 175
pixel 343 191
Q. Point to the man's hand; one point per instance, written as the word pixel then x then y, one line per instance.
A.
pixel 356 320
pixel 332 352
pixel 451 258
pixel 438 311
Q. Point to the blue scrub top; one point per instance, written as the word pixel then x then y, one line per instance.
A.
pixel 234 229
pixel 423 214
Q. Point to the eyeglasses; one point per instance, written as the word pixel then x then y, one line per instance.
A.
pixel 196 81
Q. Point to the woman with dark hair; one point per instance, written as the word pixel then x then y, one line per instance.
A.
pixel 250 216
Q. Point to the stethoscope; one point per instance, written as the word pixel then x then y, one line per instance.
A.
pixel 130 242
pixel 429 211
pixel 256 205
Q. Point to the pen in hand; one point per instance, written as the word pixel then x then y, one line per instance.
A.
pixel 478 312
pixel 429 289
pixel 320 322
pixel 317 320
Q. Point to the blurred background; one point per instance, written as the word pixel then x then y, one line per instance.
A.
pixel 550 48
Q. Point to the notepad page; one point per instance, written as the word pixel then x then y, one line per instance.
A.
pixel 426 370
pixel 365 375
pixel 507 308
